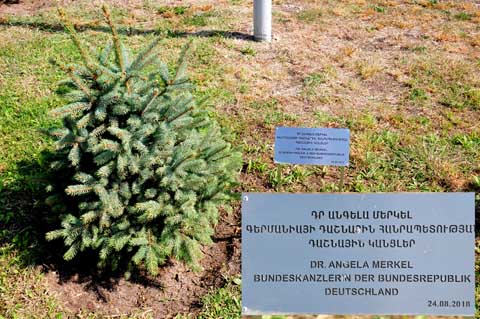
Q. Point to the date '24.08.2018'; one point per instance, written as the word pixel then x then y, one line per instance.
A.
pixel 448 303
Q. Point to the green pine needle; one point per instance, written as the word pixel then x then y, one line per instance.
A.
pixel 143 162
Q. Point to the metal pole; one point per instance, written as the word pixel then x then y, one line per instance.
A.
pixel 262 20
pixel 279 178
pixel 342 178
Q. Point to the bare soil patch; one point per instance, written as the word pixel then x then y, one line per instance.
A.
pixel 24 7
pixel 175 290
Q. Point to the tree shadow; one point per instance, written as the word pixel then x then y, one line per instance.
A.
pixel 24 221
pixel 9 2
pixel 56 27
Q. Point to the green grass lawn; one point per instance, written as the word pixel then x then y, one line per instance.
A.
pixel 403 76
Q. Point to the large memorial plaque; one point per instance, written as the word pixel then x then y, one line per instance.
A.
pixel 399 253
pixel 315 146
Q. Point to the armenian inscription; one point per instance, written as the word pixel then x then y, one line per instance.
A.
pixel 315 146
pixel 399 253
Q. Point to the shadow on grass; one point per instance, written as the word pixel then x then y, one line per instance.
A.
pixel 56 27
pixel 24 221
pixel 9 2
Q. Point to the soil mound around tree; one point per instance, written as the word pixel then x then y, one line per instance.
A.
pixel 176 289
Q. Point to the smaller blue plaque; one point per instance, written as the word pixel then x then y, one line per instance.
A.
pixel 314 146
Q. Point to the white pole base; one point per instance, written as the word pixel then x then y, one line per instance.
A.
pixel 262 20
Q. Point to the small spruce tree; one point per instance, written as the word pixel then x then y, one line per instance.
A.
pixel 141 168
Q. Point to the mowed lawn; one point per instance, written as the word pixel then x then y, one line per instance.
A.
pixel 403 76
